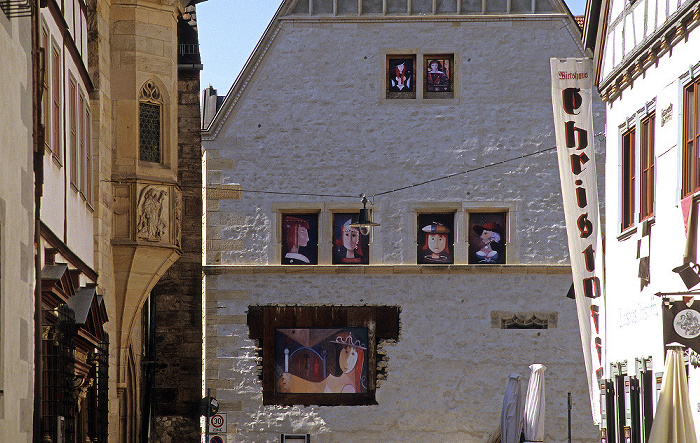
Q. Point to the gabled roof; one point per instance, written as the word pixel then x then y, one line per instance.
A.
pixel 334 11
pixel 594 26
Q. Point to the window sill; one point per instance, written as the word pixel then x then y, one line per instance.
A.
pixel 627 233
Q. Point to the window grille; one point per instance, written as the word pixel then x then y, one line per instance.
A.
pixel 98 418
pixel 150 105
pixel 58 408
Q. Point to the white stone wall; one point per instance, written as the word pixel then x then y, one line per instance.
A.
pixel 447 372
pixel 309 116
pixel 16 233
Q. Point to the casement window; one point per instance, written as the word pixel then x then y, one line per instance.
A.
pixel 150 123
pixel 73 130
pixel 56 103
pixel 321 355
pixel 45 118
pixel 628 179
pixel 646 148
pixel 691 139
pixel 87 146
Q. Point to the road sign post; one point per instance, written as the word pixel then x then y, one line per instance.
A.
pixel 217 423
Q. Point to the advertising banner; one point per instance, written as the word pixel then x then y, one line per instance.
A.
pixel 572 82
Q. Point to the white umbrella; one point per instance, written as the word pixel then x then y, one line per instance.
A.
pixel 673 421
pixel 534 405
pixel 512 412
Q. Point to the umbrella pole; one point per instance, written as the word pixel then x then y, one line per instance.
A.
pixel 568 405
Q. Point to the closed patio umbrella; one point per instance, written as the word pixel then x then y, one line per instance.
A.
pixel 673 421
pixel 512 412
pixel 533 417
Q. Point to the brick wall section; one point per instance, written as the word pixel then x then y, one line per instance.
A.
pixel 178 387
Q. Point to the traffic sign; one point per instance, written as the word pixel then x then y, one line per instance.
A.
pixel 217 423
pixel 216 439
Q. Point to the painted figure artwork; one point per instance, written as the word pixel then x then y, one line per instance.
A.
pixel 487 238
pixel 435 238
pixel 401 75
pixel 299 239
pixel 350 247
pixel 316 360
pixel 437 77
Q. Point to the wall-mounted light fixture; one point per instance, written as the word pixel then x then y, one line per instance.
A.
pixel 364 221
pixel 689 273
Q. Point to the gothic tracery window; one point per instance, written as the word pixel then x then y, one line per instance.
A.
pixel 150 116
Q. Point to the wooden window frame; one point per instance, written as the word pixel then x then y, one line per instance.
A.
pixel 73 130
pixel 647 163
pixel 89 185
pixel 82 155
pixel 45 117
pixel 628 180
pixel 382 323
pixel 56 103
pixel 691 139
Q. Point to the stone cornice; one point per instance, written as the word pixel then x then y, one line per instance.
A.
pixel 385 269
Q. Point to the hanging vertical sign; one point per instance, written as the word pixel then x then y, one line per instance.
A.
pixel 573 122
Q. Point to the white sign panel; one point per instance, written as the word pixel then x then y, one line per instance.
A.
pixel 217 423
pixel 572 82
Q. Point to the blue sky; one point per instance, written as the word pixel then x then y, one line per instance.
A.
pixel 230 29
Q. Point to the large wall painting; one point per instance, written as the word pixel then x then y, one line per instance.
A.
pixel 321 361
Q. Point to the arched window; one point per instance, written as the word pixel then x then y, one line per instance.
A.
pixel 150 117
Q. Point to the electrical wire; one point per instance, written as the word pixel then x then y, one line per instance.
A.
pixel 378 194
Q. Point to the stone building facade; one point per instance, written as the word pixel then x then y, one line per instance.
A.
pixel 457 142
pixel 16 227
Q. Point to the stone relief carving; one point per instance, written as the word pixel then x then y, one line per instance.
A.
pixel 152 219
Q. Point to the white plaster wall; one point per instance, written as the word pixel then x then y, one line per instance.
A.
pixel 60 200
pixel 16 233
pixel 634 325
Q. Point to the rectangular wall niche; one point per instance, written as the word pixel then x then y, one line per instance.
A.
pixel 320 355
